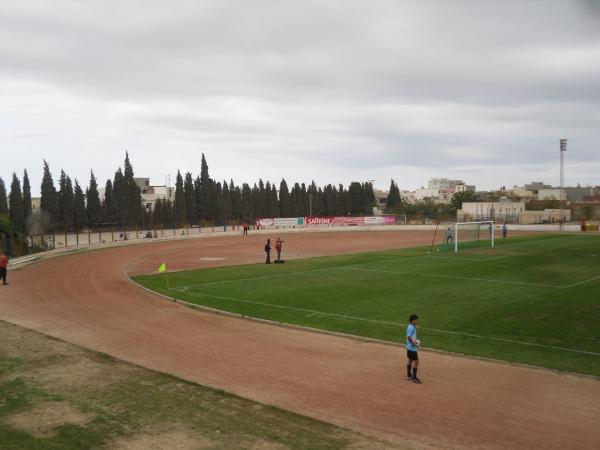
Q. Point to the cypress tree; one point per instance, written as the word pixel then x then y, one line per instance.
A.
pixel 3 198
pixel 328 201
pixel 295 201
pixel 236 201
pixel 190 199
pixel 65 202
pixel 108 204
pixel 355 193
pixel 267 210
pixel 256 197
pixel 260 200
pixel 79 212
pixel 49 197
pixel 27 207
pixel 126 196
pixel 311 199
pixel 217 201
pixel 226 204
pixel 303 201
pixel 336 202
pixel 131 196
pixel 180 210
pixel 93 207
pixel 393 197
pixel 119 199
pixel 274 201
pixel 369 198
pixel 198 194
pixel 15 203
pixel 246 206
pixel 205 191
pixel 157 213
pixel 169 214
pixel 320 202
pixel 284 200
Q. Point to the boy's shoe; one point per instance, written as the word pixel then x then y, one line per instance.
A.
pixel 408 378
pixel 416 380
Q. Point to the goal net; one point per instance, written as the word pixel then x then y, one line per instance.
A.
pixel 469 235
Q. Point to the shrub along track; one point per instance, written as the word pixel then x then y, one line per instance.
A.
pixel 87 299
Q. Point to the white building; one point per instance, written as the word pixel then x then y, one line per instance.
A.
pixel 441 190
pixel 551 194
pixel 501 211
pixel 149 193
pixel 152 193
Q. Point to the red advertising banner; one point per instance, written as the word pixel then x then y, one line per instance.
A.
pixel 349 221
pixel 318 221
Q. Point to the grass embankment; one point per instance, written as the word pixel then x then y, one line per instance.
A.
pixel 54 395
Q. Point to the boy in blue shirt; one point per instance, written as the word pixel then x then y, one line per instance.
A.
pixel 412 345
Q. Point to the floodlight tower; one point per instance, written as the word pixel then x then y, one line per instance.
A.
pixel 563 149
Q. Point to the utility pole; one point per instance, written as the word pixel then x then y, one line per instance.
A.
pixel 563 149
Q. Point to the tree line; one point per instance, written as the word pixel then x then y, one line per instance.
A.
pixel 199 200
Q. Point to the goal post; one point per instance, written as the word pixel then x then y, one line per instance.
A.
pixel 473 235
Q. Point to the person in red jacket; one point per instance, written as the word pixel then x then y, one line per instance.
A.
pixel 3 267
pixel 278 243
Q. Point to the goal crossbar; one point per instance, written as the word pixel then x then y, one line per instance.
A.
pixel 479 223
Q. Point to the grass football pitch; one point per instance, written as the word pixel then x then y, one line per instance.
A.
pixel 533 300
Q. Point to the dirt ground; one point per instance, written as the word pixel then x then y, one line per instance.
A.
pixel 87 299
pixel 57 395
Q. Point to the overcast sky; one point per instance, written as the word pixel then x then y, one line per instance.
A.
pixel 333 91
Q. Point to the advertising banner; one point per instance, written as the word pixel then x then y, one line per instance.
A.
pixel 265 223
pixel 380 220
pixel 316 221
pixel 288 221
pixel 280 222
pixel 349 221
pixel 372 220
pixel 388 220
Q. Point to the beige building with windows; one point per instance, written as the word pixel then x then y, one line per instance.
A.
pixel 503 211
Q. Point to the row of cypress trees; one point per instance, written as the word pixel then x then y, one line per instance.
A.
pixel 17 207
pixel 199 200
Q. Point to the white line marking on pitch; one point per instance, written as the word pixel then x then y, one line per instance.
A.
pixel 343 316
pixel 457 277
pixel 579 283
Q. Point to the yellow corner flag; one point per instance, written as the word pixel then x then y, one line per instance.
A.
pixel 163 269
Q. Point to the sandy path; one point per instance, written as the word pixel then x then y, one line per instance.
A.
pixel 86 299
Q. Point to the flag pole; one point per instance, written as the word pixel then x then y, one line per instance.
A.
pixel 163 268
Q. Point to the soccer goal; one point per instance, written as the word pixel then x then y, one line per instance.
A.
pixel 473 235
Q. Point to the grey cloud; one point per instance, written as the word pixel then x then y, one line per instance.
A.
pixel 340 88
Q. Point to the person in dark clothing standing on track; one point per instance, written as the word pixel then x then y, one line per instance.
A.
pixel 268 251
pixel 3 267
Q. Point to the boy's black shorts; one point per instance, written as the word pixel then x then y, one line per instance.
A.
pixel 412 356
